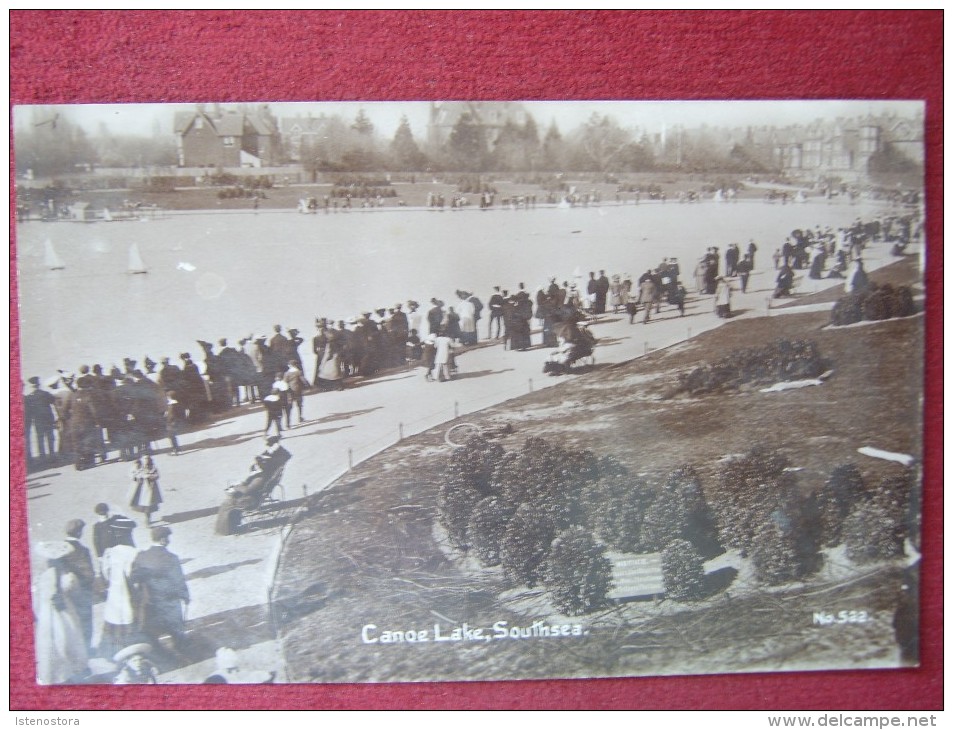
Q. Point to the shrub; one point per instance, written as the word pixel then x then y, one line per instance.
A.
pixel 680 512
pixel 545 474
pixel 683 571
pixel 578 575
pixel 775 554
pixel 486 529
pixel 903 301
pixel 466 482
pixel 619 510
pixel 834 500
pixel 748 492
pixel 456 505
pixel 526 544
pixel 847 310
pixel 878 302
pixel 893 493
pixel 778 361
pixel 472 464
pixel 872 532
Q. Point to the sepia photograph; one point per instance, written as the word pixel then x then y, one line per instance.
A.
pixel 362 392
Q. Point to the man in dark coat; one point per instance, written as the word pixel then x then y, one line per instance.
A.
pixel 170 376
pixel 435 315
pixel 294 341
pixel 519 329
pixel 591 289
pixel 496 313
pixel 229 360
pixel 397 330
pixel 743 269
pixel 602 291
pixel 477 313
pixel 752 248
pixel 280 346
pixel 40 417
pixel 82 425
pixel 192 389
pixel 731 259
pixel 157 575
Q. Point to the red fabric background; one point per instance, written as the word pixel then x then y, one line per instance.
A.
pixel 187 56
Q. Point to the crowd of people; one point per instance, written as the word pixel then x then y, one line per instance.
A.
pixel 144 593
pixel 94 414
pixel 144 597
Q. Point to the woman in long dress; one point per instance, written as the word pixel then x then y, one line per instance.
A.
pixel 330 371
pixel 119 609
pixel 723 298
pixel 468 325
pixel 61 651
pixel 146 496
pixel 616 296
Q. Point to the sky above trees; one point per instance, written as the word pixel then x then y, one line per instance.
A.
pixel 650 116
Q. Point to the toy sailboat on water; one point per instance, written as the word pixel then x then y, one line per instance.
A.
pixel 51 259
pixel 136 264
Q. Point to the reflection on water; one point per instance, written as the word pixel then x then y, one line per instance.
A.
pixel 232 275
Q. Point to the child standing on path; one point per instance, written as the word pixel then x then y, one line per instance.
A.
pixel 145 496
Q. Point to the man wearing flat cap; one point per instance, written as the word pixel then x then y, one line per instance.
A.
pixel 157 575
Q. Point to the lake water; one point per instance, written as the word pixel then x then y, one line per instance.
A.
pixel 229 275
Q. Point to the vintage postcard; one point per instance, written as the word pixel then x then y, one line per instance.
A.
pixel 419 391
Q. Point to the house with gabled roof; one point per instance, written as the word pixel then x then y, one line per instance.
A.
pixel 220 138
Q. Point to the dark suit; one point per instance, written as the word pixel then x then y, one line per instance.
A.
pixel 39 414
pixel 157 574
pixel 602 290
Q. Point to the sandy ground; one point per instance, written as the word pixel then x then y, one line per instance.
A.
pixel 229 577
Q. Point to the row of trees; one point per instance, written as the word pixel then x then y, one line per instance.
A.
pixel 50 143
pixel 547 515
pixel 600 145
pixel 47 142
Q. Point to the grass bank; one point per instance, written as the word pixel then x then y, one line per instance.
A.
pixel 370 550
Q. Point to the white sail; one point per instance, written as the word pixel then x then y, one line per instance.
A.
pixel 51 259
pixel 136 264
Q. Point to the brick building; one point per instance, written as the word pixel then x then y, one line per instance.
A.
pixel 213 137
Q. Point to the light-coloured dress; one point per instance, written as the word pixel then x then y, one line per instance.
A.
pixel 61 651
pixel 116 567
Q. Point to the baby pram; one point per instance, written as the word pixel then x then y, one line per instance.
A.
pixel 576 344
pixel 251 494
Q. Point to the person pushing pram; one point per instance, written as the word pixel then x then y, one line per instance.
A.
pixel 263 476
